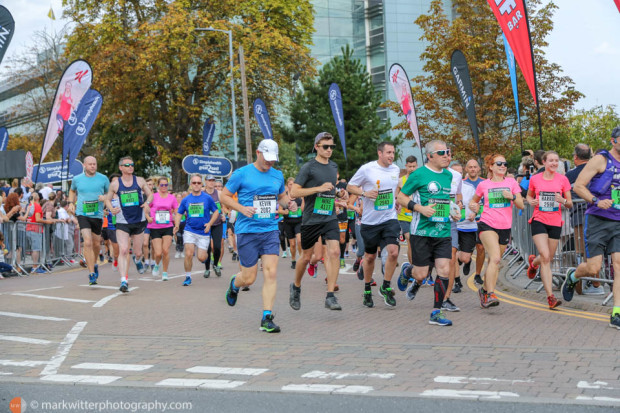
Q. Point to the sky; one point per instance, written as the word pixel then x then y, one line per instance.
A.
pixel 585 42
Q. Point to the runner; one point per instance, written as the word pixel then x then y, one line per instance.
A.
pixel 316 183
pixel 472 168
pixel 376 182
pixel 160 213
pixel 456 204
pixel 467 227
pixel 499 194
pixel 404 214
pixel 202 213
pixel 217 230
pixel 91 188
pixel 599 185
pixel 292 224
pixel 146 240
pixel 132 193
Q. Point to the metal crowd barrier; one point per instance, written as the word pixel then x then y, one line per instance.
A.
pixel 570 251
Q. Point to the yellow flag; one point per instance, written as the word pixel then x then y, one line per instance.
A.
pixel 51 14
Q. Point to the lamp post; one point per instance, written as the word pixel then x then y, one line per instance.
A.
pixel 232 87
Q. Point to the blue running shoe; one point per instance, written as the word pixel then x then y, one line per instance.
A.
pixel 231 294
pixel 124 287
pixel 96 270
pixel 568 286
pixel 140 267
pixel 438 319
pixel 268 325
pixel 188 281
pixel 429 281
pixel 403 278
pixel 92 279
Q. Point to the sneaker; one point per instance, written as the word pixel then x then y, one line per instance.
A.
pixel 115 266
pixel 342 264
pixel 293 264
pixel 231 294
pixel 373 283
pixel 438 319
pixel 177 254
pixel 155 271
pixel 294 296
pixel 235 256
pixel 312 270
pixel 164 276
pixel 207 273
pixel 614 321
pixel 592 290
pixel 124 287
pixel 332 303
pixel 466 268
pixel 140 267
pixel 346 254
pixel 83 263
pixel 110 259
pixel 483 298
pixel 568 286
pixel 230 250
pixel 91 279
pixel 403 279
pixel 284 254
pixel 478 279
pixel 101 258
pixel 531 269
pixel 218 270
pixel 96 271
pixel 246 288
pixel 188 281
pixel 429 281
pixel 553 302
pixel 448 305
pixel 38 270
pixel 388 296
pixel 360 271
pixel 412 290
pixel 492 300
pixel 268 325
pixel 356 264
pixel 456 288
pixel 458 282
pixel 368 299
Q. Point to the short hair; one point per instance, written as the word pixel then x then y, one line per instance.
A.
pixel 430 146
pixel 192 176
pixel 114 175
pixel 456 163
pixel 290 179
pixel 583 152
pixel 411 159
pixel 120 162
pixel 538 156
pixel 383 144
pixel 162 178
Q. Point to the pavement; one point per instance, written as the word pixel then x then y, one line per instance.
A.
pixel 55 329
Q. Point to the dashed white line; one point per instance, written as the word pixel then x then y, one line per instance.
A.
pixel 33 317
pixel 594 385
pixel 68 378
pixel 480 380
pixel 111 366
pixel 226 370
pixel 63 349
pixel 38 289
pixel 47 297
pixel 104 300
pixel 99 287
pixel 327 388
pixel 317 374
pixel 24 363
pixel 201 383
pixel 25 340
pixel 5 374
pixel 468 394
pixel 599 398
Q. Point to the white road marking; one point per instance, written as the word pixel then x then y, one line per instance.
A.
pixel 47 297
pixel 480 380
pixel 317 374
pixel 328 388
pixel 38 289
pixel 25 340
pixel 468 394
pixel 99 287
pixel 599 398
pixel 33 317
pixel 5 374
pixel 226 370
pixel 63 349
pixel 173 276
pixel 595 385
pixel 201 383
pixel 68 378
pixel 104 300
pixel 111 366
pixel 24 363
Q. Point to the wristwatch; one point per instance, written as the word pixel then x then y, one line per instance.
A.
pixel 594 200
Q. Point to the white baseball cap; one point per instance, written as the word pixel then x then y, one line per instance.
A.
pixel 269 149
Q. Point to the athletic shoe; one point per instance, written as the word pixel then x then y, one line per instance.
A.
pixel 403 278
pixel 568 286
pixel 268 325
pixel 458 282
pixel 83 263
pixel 438 319
pixel 293 264
pixel 492 300
pixel 177 254
pixel 188 281
pixel 466 268
pixel 124 287
pixel 373 283
pixel 478 279
pixel 294 296
pixel 164 276
pixel 356 264
pixel 388 296
pixel 91 279
pixel 456 288
pixel 101 258
pixel 218 270
pixel 230 250
pixel 312 270
pixel 592 290
pixel 483 298
pixel 140 267
pixel 246 288
pixel 110 259
pixel 284 254
pixel 207 273
pixel 342 264
pixel 553 302
pixel 429 281
pixel 360 271
pixel 614 321
pixel 235 256
pixel 368 299
pixel 412 290
pixel 531 269
pixel 38 270
pixel 231 294
pixel 346 254
pixel 155 271
pixel 115 266
pixel 448 305
pixel 96 271
pixel 332 303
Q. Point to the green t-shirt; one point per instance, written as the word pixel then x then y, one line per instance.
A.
pixel 430 187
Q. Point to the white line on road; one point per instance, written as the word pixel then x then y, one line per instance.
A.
pixel 104 300
pixel 47 297
pixel 595 385
pixel 480 380
pixel 599 398
pixel 99 287
pixel 317 374
pixel 170 277
pixel 328 388
pixel 226 370
pixel 201 383
pixel 33 317
pixel 25 340
pixel 24 363
pixel 468 394
pixel 5 374
pixel 37 289
pixel 111 366
pixel 63 349
pixel 68 378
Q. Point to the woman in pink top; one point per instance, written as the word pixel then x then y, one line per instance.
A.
pixel 499 193
pixel 160 215
pixel 547 191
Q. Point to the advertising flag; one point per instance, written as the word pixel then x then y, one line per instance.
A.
pixel 460 73
pixel 617 4
pixel 208 131
pixel 402 90
pixel 262 117
pixel 335 101
pixel 7 27
pixel 4 138
pixel 79 124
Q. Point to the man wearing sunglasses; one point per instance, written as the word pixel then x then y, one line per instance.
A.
pixel 133 192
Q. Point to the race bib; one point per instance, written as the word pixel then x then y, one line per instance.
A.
pixel 343 226
pixel 130 198
pixel 295 214
pixel 219 207
pixel 351 214
pixel 480 210
pixel 463 214
pixel 266 206
pixel 90 208
pixel 385 200
pixel 547 203
pixel 496 199
pixel 324 204
pixel 196 210
pixel 162 217
pixel 442 210
pixel 113 219
pixel 615 197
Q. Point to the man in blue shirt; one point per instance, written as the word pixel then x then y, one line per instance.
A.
pixel 259 188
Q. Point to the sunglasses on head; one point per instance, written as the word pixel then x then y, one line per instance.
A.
pixel 442 152
pixel 500 163
pixel 326 147
pixel 128 165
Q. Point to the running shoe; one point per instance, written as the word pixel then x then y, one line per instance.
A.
pixel 531 269
pixel 368 299
pixel 293 264
pixel 438 319
pixel 140 267
pixel 177 254
pixel 429 281
pixel 403 278
pixel 110 259
pixel 246 288
pixel 342 264
pixel 38 270
pixel 346 254
pixel 284 254
pixel 96 271
pixel 332 303
pixel 492 300
pixel 360 271
pixel 553 302
pixel 568 286
pixel 312 270
pixel 164 276
pixel 207 273
pixel 83 263
pixel 268 325
pixel 614 321
pixel 373 283
pixel 456 288
pixel 231 294
pixel 466 268
pixel 478 279
pixel 218 270
pixel 294 297
pixel 592 290
pixel 155 271
pixel 448 305
pixel 91 279
pixel 230 250
pixel 388 296
pixel 412 290
pixel 124 287
pixel 101 258
pixel 483 298
pixel 356 264
pixel 235 256
pixel 115 266
pixel 188 281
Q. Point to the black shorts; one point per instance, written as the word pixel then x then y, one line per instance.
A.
pixel 310 233
pixel 602 236
pixel 291 229
pixel 161 232
pixel 467 241
pixel 132 229
pixel 382 234
pixel 94 224
pixel 539 228
pixel 111 234
pixel 504 234
pixel 425 250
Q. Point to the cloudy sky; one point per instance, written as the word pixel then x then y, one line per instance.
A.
pixel 585 42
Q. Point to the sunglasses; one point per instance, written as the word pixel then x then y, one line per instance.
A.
pixel 128 165
pixel 442 152
pixel 326 147
pixel 163 185
pixel 500 163
pixel 196 183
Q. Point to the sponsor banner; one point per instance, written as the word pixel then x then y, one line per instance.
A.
pixel 402 89
pixel 208 131
pixel 200 164
pixel 4 138
pixel 512 68
pixel 79 124
pixel 335 101
pixel 460 73
pixel 29 165
pixel 52 172
pixel 7 27
pixel 262 117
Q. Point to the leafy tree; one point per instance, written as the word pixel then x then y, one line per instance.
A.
pixel 311 114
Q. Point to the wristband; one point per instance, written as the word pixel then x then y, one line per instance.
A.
pixel 411 205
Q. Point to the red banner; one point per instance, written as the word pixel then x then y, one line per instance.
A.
pixel 513 20
pixel 617 4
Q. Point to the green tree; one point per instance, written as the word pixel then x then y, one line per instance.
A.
pixel 311 114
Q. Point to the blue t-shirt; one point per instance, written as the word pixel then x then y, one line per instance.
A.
pixel 474 183
pixel 88 189
pixel 260 190
pixel 199 209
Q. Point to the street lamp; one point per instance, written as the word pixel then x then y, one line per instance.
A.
pixel 232 87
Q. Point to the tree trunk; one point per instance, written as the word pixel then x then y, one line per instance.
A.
pixel 178 175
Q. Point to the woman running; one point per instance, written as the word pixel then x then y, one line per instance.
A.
pixel 161 222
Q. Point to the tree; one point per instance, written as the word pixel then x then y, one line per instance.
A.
pixel 160 78
pixel 311 114
pixel 475 31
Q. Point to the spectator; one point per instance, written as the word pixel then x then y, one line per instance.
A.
pixel 46 191
pixel 14 185
pixel 581 156
pixel 34 232
pixel 538 161
pixel 72 223
pixel 4 267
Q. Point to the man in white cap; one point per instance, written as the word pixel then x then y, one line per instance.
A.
pixel 259 188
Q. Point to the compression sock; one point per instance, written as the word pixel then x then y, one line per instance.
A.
pixel 441 285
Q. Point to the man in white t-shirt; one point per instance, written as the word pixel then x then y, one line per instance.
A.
pixel 376 183
pixel 46 191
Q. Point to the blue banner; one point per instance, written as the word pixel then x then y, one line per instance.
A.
pixel 208 131
pixel 79 124
pixel 200 164
pixel 335 101
pixel 7 27
pixel 52 172
pixel 4 138
pixel 262 117
pixel 512 67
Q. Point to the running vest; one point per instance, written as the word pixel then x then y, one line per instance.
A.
pixel 606 185
pixel 130 198
pixel 216 198
pixel 404 214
